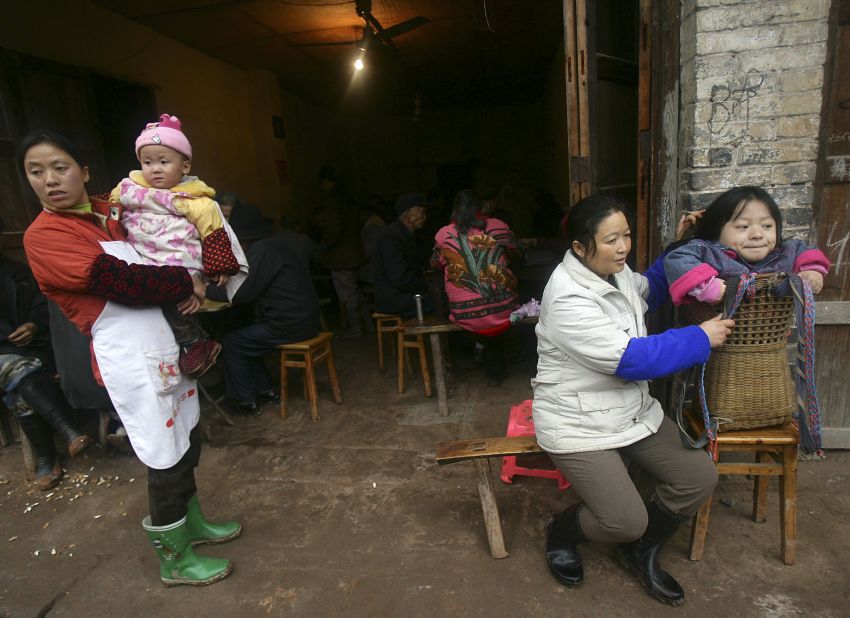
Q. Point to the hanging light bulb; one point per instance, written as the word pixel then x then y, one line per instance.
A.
pixel 358 64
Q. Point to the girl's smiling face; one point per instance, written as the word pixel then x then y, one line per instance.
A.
pixel 751 232
pixel 54 175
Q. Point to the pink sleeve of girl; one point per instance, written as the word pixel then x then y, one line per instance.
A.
pixel 812 259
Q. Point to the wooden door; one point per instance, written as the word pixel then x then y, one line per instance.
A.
pixel 832 226
pixel 101 114
pixel 608 82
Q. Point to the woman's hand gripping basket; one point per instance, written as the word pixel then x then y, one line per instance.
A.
pixel 748 382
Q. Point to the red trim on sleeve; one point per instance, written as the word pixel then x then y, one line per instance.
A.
pixel 680 287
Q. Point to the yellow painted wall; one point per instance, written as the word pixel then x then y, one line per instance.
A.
pixel 226 112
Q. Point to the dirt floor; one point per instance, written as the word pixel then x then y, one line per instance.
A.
pixel 351 516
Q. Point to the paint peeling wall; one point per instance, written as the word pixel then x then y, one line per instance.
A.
pixel 751 95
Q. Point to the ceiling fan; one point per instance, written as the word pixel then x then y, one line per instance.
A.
pixel 375 36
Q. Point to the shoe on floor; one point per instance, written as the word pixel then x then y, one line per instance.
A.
pixel 268 397
pixel 244 408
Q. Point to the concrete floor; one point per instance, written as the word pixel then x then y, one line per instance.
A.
pixel 351 516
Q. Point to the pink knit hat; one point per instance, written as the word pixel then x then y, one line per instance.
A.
pixel 166 132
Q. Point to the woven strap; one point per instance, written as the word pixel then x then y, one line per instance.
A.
pixel 808 413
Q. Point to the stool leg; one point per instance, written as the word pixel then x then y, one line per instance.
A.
pixel 379 332
pixel 699 529
pixel 760 491
pixel 423 364
pixel 284 385
pixel 788 501
pixel 333 376
pixel 310 377
pixel 396 325
pixel 102 426
pixel 401 352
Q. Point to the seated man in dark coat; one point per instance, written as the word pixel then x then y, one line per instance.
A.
pixel 398 273
pixel 286 309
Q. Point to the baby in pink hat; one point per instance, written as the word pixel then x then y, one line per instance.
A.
pixel 172 219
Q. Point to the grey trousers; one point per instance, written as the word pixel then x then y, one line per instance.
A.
pixel 613 510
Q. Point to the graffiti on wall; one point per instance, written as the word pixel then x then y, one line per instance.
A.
pixel 729 121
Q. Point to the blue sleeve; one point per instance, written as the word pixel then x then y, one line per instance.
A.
pixel 659 293
pixel 657 356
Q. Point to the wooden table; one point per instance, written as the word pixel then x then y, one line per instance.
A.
pixel 434 327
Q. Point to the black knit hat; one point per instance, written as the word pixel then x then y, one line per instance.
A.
pixel 248 223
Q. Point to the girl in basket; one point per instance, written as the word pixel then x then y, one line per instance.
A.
pixel 739 233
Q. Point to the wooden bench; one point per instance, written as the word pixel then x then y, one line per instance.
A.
pixel 480 451
pixel 434 328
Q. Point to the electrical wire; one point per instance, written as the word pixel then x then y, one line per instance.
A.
pixel 486 18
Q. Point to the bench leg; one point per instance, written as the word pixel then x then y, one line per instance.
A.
pixel 423 365
pixel 760 491
pixel 491 511
pixel 788 504
pixel 699 529
pixel 439 374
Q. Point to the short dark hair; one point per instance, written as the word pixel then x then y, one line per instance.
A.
pixel 584 219
pixel 466 211
pixel 44 136
pixel 729 205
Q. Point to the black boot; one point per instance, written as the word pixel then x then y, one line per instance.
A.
pixel 562 535
pixel 641 556
pixel 48 472
pixel 45 397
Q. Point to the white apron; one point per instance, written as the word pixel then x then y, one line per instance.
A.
pixel 137 356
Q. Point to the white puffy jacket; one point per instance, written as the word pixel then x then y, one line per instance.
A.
pixel 584 328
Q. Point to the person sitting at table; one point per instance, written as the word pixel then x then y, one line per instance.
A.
pixel 473 251
pixel 286 309
pixel 398 275
pixel 26 365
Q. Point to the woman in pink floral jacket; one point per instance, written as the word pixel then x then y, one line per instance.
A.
pixel 473 251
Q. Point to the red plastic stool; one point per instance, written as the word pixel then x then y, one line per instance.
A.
pixel 521 423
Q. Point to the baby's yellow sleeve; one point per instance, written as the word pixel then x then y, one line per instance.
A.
pixel 202 212
pixel 115 195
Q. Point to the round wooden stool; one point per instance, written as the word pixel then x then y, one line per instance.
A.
pixel 308 354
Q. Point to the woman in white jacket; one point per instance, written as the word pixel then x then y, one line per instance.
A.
pixel 592 406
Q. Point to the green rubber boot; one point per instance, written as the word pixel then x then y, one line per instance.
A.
pixel 178 563
pixel 202 531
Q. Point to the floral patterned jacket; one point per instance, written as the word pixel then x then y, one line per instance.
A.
pixel 481 288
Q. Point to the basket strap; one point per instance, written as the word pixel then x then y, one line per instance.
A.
pixel 709 434
pixel 808 413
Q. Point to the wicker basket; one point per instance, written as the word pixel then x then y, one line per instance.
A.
pixel 748 381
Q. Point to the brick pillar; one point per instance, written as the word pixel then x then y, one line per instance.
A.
pixel 751 79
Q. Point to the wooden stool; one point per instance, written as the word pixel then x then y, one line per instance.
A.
pixel 312 351
pixel 384 323
pixel 775 451
pixel 417 343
